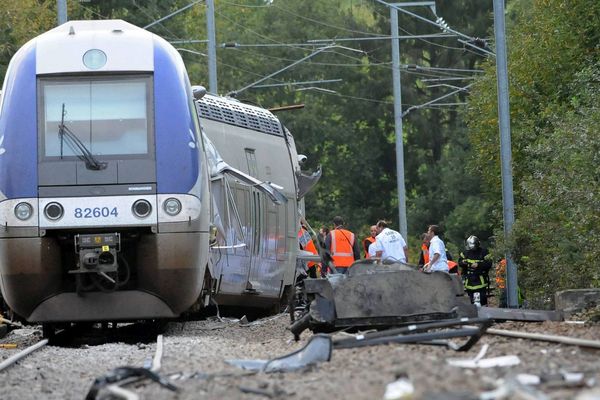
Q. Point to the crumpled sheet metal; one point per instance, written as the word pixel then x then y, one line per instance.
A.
pixel 317 350
pixel 398 292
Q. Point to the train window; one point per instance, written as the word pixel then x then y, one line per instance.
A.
pixel 272 241
pixel 251 160
pixel 109 116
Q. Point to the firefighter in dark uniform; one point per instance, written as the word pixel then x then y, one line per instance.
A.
pixel 475 264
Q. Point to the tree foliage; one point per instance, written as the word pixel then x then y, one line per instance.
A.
pixel 554 93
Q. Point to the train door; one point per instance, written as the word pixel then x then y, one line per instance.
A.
pixel 253 284
pixel 256 223
pixel 231 253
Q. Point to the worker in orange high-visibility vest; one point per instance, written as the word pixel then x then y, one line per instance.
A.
pixel 369 240
pixel 342 245
pixel 306 243
pixel 424 254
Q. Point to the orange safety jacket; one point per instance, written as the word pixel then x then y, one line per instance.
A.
pixel 371 240
pixel 453 267
pixel 342 243
pixel 307 244
pixel 425 250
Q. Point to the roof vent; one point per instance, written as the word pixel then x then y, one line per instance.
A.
pixel 71 30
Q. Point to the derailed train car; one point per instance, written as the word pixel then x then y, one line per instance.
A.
pixel 256 196
pixel 106 179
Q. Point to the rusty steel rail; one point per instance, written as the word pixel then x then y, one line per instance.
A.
pixel 547 338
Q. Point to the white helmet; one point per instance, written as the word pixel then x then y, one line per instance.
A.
pixel 473 242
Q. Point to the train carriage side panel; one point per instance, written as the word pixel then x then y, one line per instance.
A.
pixel 256 146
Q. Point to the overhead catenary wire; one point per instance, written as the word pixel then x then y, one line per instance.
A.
pixel 220 62
pixel 360 64
pixel 445 28
pixel 405 112
pixel 158 21
pixel 151 17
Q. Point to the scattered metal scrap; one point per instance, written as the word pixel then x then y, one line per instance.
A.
pixel 318 349
pixel 420 333
pixel 114 380
pixel 120 374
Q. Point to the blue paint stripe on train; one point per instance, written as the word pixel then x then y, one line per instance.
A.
pixel 177 163
pixel 18 128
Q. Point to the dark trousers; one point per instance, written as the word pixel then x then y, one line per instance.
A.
pixel 482 295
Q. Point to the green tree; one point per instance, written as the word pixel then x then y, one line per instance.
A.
pixel 553 68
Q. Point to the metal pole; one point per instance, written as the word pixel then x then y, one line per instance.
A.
pixel 508 206
pixel 61 9
pixel 398 124
pixel 212 46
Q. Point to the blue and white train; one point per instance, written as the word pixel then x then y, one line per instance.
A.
pixel 124 195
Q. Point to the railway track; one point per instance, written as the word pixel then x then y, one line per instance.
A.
pixel 80 334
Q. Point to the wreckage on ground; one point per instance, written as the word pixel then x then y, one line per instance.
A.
pixel 379 295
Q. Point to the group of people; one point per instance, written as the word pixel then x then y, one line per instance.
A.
pixel 388 245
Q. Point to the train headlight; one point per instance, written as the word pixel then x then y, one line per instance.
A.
pixel 172 206
pixel 53 211
pixel 23 211
pixel 94 59
pixel 142 208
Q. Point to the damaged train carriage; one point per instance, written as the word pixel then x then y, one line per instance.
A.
pixel 257 186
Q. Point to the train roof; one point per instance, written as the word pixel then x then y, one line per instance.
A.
pixel 233 112
pixel 126 47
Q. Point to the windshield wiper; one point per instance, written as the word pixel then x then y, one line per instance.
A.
pixel 75 144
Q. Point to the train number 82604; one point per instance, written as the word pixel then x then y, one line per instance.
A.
pixel 96 212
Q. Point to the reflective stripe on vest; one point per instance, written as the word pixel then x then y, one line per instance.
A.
pixel 475 287
pixel 342 242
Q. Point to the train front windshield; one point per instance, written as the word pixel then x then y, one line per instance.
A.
pixel 108 116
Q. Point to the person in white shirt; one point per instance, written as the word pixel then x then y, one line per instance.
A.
pixel 389 245
pixel 437 251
